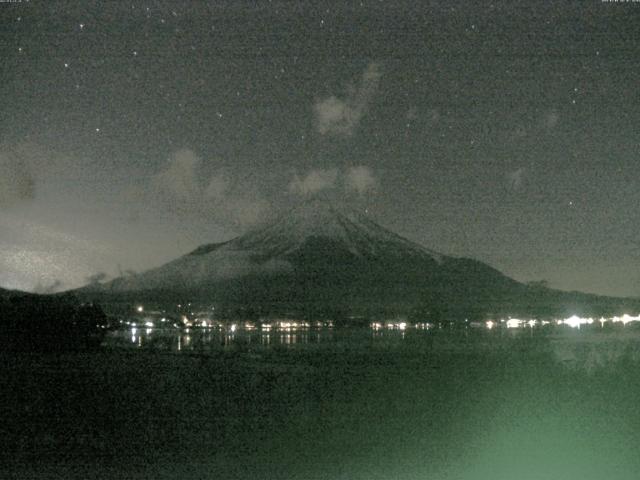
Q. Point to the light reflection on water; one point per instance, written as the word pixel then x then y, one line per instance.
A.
pixel 203 339
pixel 214 338
pixel 208 335
pixel 582 348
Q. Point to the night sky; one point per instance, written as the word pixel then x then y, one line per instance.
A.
pixel 132 132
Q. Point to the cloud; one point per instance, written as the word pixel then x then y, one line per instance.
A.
pixel 17 183
pixel 515 178
pixel 360 179
pixel 340 116
pixel 182 188
pixel 180 180
pixel 218 187
pixel 246 211
pixel 97 278
pixel 314 181
pixel 38 254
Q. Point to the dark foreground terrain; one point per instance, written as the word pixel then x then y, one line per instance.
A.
pixel 424 408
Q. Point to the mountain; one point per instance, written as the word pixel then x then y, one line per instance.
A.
pixel 318 260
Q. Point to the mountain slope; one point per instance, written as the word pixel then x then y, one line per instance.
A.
pixel 312 236
pixel 317 259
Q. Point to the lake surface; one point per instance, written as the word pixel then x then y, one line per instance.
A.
pixel 327 404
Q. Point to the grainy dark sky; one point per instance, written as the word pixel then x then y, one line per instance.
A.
pixel 131 132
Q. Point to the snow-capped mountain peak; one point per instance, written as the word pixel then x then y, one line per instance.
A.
pixel 320 219
pixel 313 231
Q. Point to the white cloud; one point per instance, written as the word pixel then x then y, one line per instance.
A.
pixel 42 257
pixel 515 178
pixel 218 187
pixel 360 179
pixel 180 180
pixel 340 116
pixel 315 181
pixel 182 188
pixel 246 211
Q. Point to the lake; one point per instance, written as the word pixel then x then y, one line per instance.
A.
pixel 327 403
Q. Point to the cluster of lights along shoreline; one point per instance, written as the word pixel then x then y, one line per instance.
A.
pixel 204 319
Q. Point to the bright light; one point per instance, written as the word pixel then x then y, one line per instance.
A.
pixel 574 321
pixel 140 309
pixel 148 324
pixel 514 323
pixel 233 327
pixel 532 323
pixel 626 318
pixel 402 325
pixel 490 324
